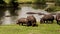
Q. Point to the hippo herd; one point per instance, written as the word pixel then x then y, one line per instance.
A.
pixel 31 20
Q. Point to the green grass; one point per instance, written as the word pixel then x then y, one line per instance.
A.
pixel 41 29
pixel 57 8
pixel 20 1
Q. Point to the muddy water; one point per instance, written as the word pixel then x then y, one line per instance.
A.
pixel 9 18
pixel 24 10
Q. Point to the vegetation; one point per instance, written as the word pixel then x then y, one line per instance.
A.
pixel 40 1
pixel 57 8
pixel 41 29
pixel 2 3
pixel 52 9
pixel 57 2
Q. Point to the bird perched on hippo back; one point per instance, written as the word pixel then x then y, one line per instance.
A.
pixel 58 18
pixel 46 18
pixel 22 21
pixel 32 20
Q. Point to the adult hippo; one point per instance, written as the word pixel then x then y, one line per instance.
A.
pixel 47 18
pixel 58 18
pixel 23 21
pixel 32 20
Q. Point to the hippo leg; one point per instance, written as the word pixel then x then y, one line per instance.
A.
pixel 58 22
pixel 47 22
pixel 52 21
pixel 44 21
pixel 22 23
pixel 34 25
pixel 18 23
pixel 29 24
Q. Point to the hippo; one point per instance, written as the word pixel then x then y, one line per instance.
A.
pixel 47 18
pixel 58 18
pixel 32 20
pixel 23 21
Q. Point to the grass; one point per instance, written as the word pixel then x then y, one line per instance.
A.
pixel 57 8
pixel 20 1
pixel 41 29
pixel 26 0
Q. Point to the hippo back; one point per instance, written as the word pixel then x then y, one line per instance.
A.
pixel 22 20
pixel 31 18
pixel 48 16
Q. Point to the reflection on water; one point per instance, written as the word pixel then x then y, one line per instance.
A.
pixel 7 13
pixel 23 11
pixel 7 19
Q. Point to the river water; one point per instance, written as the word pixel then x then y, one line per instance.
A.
pixel 10 16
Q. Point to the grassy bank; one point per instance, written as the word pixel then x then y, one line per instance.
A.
pixel 20 1
pixel 41 29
